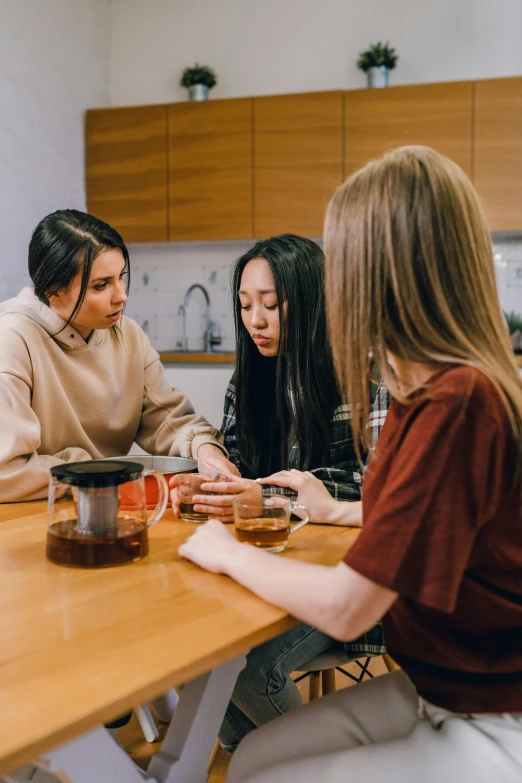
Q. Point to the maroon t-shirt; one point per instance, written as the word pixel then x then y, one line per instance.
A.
pixel 442 514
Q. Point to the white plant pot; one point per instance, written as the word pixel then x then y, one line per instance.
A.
pixel 378 77
pixel 198 92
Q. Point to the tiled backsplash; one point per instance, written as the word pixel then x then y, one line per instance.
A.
pixel 161 275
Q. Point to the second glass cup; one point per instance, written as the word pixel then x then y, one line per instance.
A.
pixel 188 485
pixel 265 521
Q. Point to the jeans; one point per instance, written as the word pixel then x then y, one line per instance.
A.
pixel 264 689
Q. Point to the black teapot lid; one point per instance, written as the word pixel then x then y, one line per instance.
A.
pixel 97 473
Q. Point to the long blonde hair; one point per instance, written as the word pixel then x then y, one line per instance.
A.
pixel 409 270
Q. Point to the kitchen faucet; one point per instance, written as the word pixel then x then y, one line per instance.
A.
pixel 209 337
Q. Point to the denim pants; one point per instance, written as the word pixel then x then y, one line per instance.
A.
pixel 264 689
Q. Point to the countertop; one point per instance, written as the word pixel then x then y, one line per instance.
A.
pixel 191 357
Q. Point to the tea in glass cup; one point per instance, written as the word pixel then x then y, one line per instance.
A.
pixel 188 485
pixel 265 522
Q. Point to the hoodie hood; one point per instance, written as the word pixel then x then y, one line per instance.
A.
pixel 28 305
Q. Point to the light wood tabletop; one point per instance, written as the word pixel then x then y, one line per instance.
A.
pixel 79 647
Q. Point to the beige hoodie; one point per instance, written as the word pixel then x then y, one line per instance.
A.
pixel 64 400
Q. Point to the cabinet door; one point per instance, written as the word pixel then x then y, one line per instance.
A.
pixel 498 151
pixel 435 115
pixel 210 170
pixel 126 170
pixel 297 161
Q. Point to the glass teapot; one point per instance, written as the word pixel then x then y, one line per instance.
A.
pixel 98 513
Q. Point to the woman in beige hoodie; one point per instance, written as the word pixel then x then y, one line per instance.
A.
pixel 78 380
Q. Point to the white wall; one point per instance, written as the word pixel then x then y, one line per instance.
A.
pixel 276 46
pixel 54 63
pixel 204 385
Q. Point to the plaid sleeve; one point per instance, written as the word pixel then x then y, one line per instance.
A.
pixel 273 489
pixel 380 405
pixel 342 476
pixel 341 484
pixel 344 480
pixel 228 427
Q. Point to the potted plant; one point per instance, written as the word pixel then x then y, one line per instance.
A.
pixel 198 80
pixel 377 62
pixel 514 324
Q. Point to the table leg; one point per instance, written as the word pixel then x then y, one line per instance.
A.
pixel 194 727
pixel 94 756
pixel 184 753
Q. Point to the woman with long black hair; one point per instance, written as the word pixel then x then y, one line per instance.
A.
pixel 283 410
pixel 78 380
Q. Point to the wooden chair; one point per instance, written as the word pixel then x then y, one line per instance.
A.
pixel 147 723
pixel 322 668
pixel 163 706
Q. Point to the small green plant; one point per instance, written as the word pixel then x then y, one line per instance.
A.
pixel 378 54
pixel 198 74
pixel 514 324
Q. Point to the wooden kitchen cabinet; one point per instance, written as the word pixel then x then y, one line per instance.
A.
pixel 298 161
pixel 126 170
pixel 498 151
pixel 210 170
pixel 254 167
pixel 435 115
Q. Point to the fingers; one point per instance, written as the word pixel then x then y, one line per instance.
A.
pixel 220 486
pixel 174 499
pixel 221 464
pixel 283 479
pixel 270 479
pixel 214 501
pixel 211 530
pixel 224 518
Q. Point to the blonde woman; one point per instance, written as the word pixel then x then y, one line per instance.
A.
pixel 410 283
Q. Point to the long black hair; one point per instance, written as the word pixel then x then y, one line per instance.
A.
pixel 290 398
pixel 63 244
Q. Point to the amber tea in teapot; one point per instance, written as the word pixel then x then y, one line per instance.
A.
pixel 87 527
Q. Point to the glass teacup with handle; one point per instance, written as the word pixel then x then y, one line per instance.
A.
pixel 266 522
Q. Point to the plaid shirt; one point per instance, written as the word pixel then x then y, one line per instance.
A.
pixel 343 477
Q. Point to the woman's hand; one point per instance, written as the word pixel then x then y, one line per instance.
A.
pixel 311 491
pixel 212 461
pixel 219 504
pixel 211 547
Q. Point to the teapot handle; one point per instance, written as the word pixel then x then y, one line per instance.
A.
pixel 163 496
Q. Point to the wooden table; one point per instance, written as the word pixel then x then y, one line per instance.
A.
pixel 80 647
